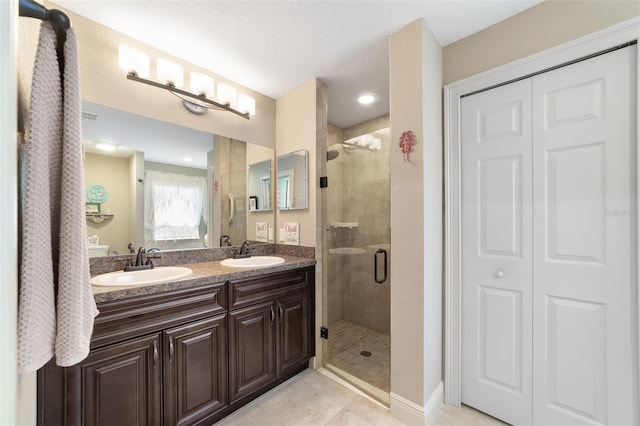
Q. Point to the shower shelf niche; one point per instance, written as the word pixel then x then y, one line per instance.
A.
pixel 344 224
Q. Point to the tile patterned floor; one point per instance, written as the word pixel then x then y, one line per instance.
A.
pixel 346 342
pixel 316 400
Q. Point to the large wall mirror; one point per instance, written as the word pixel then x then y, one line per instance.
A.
pixel 164 185
pixel 292 183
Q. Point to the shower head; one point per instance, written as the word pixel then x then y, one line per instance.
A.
pixel 332 154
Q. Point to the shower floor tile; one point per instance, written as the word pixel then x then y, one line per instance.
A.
pixel 346 343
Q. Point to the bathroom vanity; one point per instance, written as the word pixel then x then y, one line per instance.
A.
pixel 189 352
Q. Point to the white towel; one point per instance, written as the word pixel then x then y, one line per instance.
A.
pixel 54 260
pixel 76 307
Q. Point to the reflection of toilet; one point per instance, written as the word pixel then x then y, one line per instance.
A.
pixel 98 250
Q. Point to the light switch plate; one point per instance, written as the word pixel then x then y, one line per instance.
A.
pixel 282 234
pixel 270 234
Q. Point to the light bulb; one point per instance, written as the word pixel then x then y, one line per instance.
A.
pixel 227 95
pixel 133 60
pixel 247 104
pixel 170 73
pixel 106 146
pixel 367 98
pixel 202 84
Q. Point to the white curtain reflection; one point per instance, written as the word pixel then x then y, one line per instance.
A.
pixel 175 205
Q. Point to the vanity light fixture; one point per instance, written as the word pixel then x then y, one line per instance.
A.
pixel 171 78
pixel 367 98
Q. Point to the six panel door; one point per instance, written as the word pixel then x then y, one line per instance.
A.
pixel 496 252
pixel 549 256
pixel 584 293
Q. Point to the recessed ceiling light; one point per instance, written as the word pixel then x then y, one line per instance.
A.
pixel 106 146
pixel 367 98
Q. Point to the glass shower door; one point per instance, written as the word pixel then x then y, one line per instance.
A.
pixel 356 251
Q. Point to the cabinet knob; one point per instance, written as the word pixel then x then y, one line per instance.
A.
pixel 499 273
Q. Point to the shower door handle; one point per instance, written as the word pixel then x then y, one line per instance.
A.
pixel 375 266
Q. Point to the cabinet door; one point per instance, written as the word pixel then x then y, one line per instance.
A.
pixel 195 371
pixel 292 332
pixel 120 385
pixel 251 349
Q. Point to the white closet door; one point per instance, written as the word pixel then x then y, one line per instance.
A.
pixel 585 284
pixel 496 252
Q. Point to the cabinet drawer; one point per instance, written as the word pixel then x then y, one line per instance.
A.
pixel 123 319
pixel 253 290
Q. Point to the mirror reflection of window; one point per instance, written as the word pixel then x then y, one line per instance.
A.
pixel 175 208
pixel 285 189
pixel 292 180
pixel 265 192
pixel 141 142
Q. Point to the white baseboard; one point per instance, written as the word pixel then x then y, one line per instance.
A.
pixel 414 414
pixel 434 403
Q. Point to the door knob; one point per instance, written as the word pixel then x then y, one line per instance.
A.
pixel 499 273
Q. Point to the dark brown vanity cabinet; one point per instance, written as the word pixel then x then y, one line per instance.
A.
pixel 251 354
pixel 119 384
pixel 155 359
pixel 195 370
pixel 187 356
pixel 270 329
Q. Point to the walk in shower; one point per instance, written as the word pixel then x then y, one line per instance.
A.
pixel 356 253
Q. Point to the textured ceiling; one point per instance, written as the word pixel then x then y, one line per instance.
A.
pixel 275 46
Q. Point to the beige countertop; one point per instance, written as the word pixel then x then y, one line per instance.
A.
pixel 203 273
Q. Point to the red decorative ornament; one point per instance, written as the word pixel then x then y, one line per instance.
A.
pixel 407 141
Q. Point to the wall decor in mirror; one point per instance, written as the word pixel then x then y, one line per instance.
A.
pixel 169 186
pixel 291 188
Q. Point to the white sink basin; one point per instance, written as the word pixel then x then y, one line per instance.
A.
pixel 148 276
pixel 253 262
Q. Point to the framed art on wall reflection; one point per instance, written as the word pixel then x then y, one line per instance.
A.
pixel 253 202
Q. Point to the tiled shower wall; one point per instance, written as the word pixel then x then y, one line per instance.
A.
pixel 359 191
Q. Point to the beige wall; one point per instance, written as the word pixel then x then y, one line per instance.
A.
pixel 296 129
pixel 416 221
pixel 542 27
pixel 114 174
pixel 103 82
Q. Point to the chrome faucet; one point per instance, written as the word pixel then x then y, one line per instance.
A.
pixel 244 251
